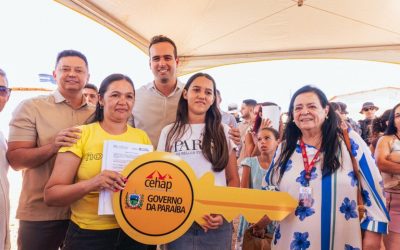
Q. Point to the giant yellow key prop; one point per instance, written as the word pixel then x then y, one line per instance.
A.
pixel 163 197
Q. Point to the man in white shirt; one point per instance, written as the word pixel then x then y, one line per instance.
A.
pixel 156 102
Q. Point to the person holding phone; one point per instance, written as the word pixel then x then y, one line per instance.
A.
pixel 261 121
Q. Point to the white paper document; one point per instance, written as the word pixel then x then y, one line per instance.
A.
pixel 116 156
pixel 273 113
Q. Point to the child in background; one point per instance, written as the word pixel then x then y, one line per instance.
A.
pixel 254 169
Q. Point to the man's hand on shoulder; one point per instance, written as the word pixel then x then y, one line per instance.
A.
pixel 66 138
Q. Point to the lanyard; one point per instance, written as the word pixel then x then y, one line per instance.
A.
pixel 307 166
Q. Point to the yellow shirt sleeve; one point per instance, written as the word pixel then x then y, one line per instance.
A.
pixel 78 147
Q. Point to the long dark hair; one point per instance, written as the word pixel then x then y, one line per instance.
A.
pixel 391 127
pixel 379 123
pixel 99 113
pixel 331 133
pixel 214 145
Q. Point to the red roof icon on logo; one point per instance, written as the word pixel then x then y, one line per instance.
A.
pixel 160 176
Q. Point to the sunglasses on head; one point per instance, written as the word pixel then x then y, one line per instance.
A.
pixel 4 91
pixel 367 109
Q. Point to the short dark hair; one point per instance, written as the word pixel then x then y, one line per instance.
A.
pixel 163 39
pixel 250 102
pixel 68 53
pixel 91 86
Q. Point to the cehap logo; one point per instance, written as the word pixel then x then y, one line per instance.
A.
pixel 158 181
pixel 158 189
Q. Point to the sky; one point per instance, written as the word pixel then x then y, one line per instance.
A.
pixel 33 32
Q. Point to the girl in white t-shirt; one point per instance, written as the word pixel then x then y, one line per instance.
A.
pixel 199 137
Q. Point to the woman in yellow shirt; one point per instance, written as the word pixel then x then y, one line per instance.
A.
pixel 77 177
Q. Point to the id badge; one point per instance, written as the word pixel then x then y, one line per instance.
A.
pixel 305 196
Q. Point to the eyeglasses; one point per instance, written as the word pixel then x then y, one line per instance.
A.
pixel 4 91
pixel 368 109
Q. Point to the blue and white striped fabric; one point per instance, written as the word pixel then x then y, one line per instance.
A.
pixel 332 220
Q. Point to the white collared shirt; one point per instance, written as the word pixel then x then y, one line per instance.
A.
pixel 153 110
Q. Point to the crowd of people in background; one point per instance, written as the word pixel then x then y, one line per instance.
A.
pixel 307 156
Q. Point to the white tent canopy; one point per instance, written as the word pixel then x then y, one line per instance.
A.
pixel 211 33
pixel 385 98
